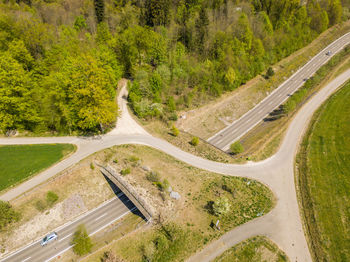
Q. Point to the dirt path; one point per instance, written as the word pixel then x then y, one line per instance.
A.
pixel 283 224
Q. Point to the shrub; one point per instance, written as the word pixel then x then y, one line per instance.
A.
pixel 165 184
pixel 81 241
pixel 7 214
pixel 153 176
pixel 51 198
pixel 236 148
pixel 221 206
pixel 270 72
pixel 125 171
pixel 175 131
pixel 195 141
pixel 115 161
pixel 92 166
pixel 109 256
pixel 40 205
pixel 134 159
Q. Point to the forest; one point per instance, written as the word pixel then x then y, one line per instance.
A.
pixel 60 60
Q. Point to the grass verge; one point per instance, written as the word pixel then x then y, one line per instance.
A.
pixel 256 249
pixel 323 169
pixel 19 162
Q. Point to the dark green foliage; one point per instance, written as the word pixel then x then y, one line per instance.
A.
pixel 156 12
pixel 270 72
pixel 51 198
pixel 99 10
pixel 7 215
pixel 81 241
pixel 236 148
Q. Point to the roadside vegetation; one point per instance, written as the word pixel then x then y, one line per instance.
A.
pixel 19 162
pixel 256 249
pixel 81 241
pixel 60 61
pixel 264 140
pixel 323 169
pixel 7 215
pixel 182 225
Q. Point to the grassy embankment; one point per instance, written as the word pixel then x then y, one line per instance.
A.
pixel 256 249
pixel 19 162
pixel 182 226
pixel 323 168
pixel 207 120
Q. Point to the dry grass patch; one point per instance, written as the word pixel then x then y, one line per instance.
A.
pixel 182 226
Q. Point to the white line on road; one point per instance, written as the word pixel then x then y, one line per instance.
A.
pixel 61 239
pixel 26 259
pixel 260 111
pixel 100 216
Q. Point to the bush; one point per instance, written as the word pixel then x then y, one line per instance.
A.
pixel 175 131
pixel 51 198
pixel 92 166
pixel 153 176
pixel 40 205
pixel 134 159
pixel 221 206
pixel 109 256
pixel 7 214
pixel 270 72
pixel 115 161
pixel 81 241
pixel 236 148
pixel 125 171
pixel 195 141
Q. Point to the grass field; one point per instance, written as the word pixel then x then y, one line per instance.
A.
pixel 256 249
pixel 19 162
pixel 323 165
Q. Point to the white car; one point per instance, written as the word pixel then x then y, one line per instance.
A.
pixel 49 238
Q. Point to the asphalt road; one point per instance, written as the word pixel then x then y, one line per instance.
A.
pixel 282 225
pixel 240 127
pixel 94 221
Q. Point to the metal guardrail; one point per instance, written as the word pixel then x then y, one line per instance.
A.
pixel 128 191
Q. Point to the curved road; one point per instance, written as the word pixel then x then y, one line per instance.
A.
pixel 237 129
pixel 282 225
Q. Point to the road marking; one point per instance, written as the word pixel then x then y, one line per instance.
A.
pixel 61 239
pixel 260 111
pixel 270 102
pixel 101 216
pixel 26 259
pixel 248 120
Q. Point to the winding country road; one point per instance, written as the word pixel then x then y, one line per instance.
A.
pixel 282 224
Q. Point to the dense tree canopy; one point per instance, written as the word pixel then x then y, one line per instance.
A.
pixel 60 60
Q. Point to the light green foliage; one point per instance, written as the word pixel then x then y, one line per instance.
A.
pixel 195 141
pixel 81 241
pixel 125 171
pixel 221 206
pixel 67 61
pixel 236 148
pixel 7 214
pixel 256 249
pixel 22 161
pixel 175 131
pixel 153 176
pixel 51 198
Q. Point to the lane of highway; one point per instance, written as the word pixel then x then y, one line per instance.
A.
pixel 94 221
pixel 240 127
